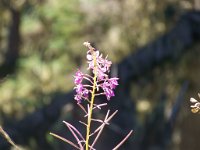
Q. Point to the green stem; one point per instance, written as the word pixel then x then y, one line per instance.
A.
pixel 91 105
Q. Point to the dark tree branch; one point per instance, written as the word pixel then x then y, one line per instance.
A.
pixel 13 45
pixel 170 46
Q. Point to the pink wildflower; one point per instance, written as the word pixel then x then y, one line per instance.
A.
pixel 113 82
pixel 78 77
pixel 99 66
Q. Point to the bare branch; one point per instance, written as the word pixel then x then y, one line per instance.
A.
pixel 72 129
pixel 100 128
pixel 82 108
pixel 120 144
pixel 7 137
pixel 65 140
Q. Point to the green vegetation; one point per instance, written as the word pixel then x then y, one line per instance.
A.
pixel 52 33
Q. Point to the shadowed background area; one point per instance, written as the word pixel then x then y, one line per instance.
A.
pixel 155 50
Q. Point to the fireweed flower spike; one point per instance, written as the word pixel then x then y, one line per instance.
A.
pixel 98 83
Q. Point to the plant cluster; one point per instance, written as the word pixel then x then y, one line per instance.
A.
pixel 96 84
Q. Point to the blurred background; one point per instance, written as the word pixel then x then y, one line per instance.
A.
pixel 41 48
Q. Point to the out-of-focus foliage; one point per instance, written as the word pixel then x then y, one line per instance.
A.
pixel 53 31
pixel 52 34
